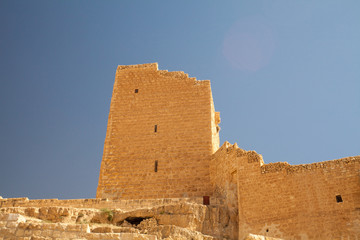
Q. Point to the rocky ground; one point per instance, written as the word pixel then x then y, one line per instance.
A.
pixel 172 221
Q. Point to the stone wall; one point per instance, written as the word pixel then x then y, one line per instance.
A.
pixel 308 201
pixel 159 137
pixel 224 180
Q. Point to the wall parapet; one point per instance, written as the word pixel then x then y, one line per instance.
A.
pixel 229 148
pixel 164 73
pixel 145 65
pixel 175 74
pixel 290 169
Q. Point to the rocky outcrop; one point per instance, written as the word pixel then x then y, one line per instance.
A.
pixel 175 220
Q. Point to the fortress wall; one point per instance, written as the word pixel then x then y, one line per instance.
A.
pixel 224 181
pixel 299 202
pixel 159 136
pixel 223 171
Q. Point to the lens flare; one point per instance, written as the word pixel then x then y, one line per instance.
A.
pixel 249 44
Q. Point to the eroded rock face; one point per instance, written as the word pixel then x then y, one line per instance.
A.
pixel 174 221
pixel 181 220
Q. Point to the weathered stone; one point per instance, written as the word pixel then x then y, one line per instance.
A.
pixel 102 230
pixel 15 217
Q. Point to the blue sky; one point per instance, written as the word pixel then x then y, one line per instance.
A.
pixel 285 76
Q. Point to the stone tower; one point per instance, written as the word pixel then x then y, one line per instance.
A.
pixel 162 130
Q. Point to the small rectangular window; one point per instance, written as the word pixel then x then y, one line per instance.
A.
pixel 206 200
pixel 155 128
pixel 156 166
pixel 136 90
pixel 339 198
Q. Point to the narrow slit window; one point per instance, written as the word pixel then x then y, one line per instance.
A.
pixel 155 128
pixel 338 198
pixel 136 90
pixel 206 200
pixel 156 166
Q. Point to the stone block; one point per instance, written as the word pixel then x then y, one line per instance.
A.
pixel 93 236
pixel 56 234
pixel 47 232
pixel 11 225
pixel 73 228
pixel 102 230
pixel 85 228
pixel 40 238
pixel 70 235
pixel 15 217
pixel 19 232
pixel 9 231
pixel 34 226
pixel 4 232
pixel 137 236
pixel 58 226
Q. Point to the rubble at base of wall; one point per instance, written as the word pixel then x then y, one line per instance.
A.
pixel 16 226
pixel 177 219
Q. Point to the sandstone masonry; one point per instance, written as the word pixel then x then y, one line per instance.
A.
pixel 162 142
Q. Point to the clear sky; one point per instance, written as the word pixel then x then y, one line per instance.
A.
pixel 285 77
